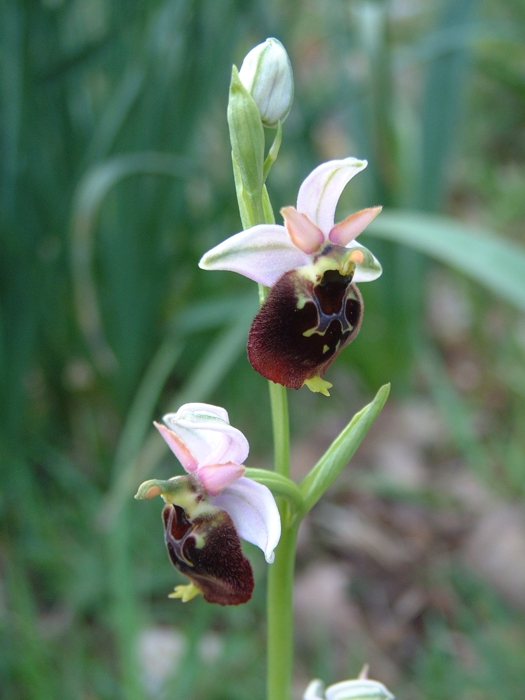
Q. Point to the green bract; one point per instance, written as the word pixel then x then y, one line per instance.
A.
pixel 247 140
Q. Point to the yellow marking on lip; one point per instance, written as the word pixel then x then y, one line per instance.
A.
pixel 312 331
pixel 302 300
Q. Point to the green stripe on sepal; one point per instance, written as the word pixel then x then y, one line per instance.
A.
pixel 340 452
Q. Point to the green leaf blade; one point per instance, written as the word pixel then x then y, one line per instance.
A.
pixel 496 263
pixel 340 451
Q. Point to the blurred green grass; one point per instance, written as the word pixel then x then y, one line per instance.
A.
pixel 114 179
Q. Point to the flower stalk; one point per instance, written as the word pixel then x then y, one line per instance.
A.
pixel 281 428
pixel 280 646
pixel 279 611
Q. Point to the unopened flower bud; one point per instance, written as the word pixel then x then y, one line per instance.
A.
pixel 266 73
pixel 357 689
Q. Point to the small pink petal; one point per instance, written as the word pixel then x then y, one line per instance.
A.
pixel 320 192
pixel 304 234
pixel 345 231
pixel 262 253
pixel 178 447
pixel 215 477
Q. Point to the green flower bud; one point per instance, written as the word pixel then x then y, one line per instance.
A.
pixel 357 689
pixel 266 73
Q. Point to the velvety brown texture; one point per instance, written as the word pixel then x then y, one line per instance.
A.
pixel 219 569
pixel 277 346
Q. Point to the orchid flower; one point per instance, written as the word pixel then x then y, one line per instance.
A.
pixel 311 264
pixel 212 506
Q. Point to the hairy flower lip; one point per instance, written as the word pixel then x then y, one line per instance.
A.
pixel 208 551
pixel 266 251
pixel 303 325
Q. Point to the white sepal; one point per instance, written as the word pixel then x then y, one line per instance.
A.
pixel 254 512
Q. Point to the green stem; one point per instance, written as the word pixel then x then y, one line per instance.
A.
pixel 281 572
pixel 281 428
pixel 280 615
pixel 273 152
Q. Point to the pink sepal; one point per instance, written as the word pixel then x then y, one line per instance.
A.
pixel 207 434
pixel 178 448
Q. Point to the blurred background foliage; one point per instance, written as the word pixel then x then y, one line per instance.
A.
pixel 114 178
